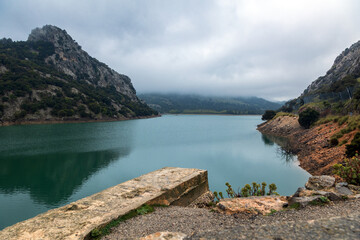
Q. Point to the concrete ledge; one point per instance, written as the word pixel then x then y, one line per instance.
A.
pixel 178 186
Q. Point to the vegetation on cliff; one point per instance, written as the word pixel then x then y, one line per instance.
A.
pixel 332 100
pixel 337 92
pixel 349 170
pixel 308 117
pixel 39 81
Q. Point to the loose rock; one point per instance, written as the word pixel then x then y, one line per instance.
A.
pixel 165 236
pixel 320 182
pixel 343 190
pixel 304 201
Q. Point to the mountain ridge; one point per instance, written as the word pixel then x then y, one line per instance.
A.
pixel 50 78
pixel 193 103
pixel 338 91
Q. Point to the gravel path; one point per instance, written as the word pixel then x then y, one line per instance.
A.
pixel 290 224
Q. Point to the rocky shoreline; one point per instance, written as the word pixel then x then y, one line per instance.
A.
pixel 72 120
pixel 312 147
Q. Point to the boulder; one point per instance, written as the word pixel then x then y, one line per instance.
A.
pixel 320 182
pixel 304 201
pixel 298 192
pixel 356 196
pixel 343 189
pixel 331 194
pixel 302 192
pixel 354 188
pixel 255 205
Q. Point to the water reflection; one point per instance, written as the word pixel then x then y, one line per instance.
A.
pixel 52 161
pixel 286 156
pixel 267 140
pixel 283 151
pixel 52 178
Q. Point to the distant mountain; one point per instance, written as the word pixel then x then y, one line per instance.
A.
pixel 339 89
pixel 184 103
pixel 50 78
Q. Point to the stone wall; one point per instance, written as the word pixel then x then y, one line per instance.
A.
pixel 170 186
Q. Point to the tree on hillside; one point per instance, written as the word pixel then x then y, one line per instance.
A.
pixel 308 117
pixel 269 114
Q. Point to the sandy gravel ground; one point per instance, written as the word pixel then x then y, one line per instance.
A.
pixel 203 223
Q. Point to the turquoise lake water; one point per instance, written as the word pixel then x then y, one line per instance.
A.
pixel 47 166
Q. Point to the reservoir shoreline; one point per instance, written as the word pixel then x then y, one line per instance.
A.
pixel 38 122
pixel 312 147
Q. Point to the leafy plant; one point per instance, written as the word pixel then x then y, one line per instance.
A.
pixel 295 205
pixel 354 146
pixel 254 190
pixel 308 117
pixel 230 192
pixel 272 189
pixel 349 171
pixel 272 211
pixel 320 201
pixel 342 120
pixel 218 196
pixel 343 142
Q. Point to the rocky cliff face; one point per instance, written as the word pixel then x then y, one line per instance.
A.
pixel 340 84
pixel 50 78
pixel 346 64
pixel 72 60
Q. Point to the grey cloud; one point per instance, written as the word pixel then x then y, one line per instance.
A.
pixel 270 49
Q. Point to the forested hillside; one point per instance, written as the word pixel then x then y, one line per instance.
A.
pixel 183 103
pixel 50 78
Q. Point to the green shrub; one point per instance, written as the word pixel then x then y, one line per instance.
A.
pixel 308 117
pixel 349 171
pixel 337 135
pixel 327 119
pixel 320 201
pixel 19 115
pixel 95 107
pixel 268 115
pixel 342 120
pixel 343 142
pixel 254 190
pixel 334 142
pixel 354 146
pixel 295 205
pixel 280 114
pixel 272 211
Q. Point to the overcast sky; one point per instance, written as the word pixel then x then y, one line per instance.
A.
pixel 270 49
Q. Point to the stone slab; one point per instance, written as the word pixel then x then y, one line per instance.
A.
pixel 179 186
pixel 255 205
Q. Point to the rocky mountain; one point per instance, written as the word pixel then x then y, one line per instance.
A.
pixel 50 78
pixel 195 104
pixel 345 65
pixel 338 89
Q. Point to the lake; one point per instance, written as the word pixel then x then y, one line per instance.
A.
pixel 47 166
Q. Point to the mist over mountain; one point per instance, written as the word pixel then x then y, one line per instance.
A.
pixel 194 104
